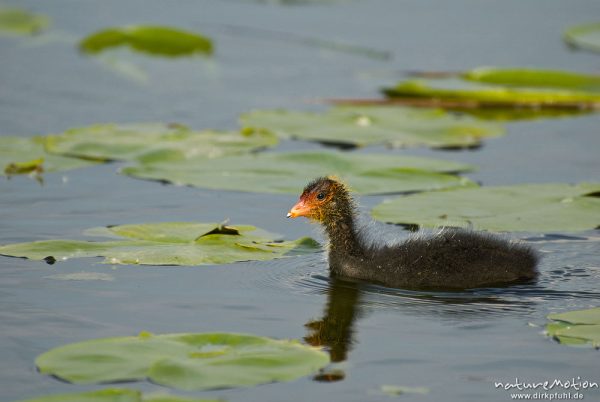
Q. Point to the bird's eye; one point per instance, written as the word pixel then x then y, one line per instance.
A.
pixel 320 196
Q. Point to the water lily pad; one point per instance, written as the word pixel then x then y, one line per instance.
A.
pixel 155 40
pixel 114 395
pixel 393 126
pixel 21 22
pixel 289 172
pixel 167 243
pixel 590 316
pixel 533 78
pixel 27 155
pixel 154 142
pixel 184 361
pixel 492 87
pixel 528 207
pixel 576 327
pixel 585 36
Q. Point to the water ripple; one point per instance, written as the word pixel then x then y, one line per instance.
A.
pixel 567 277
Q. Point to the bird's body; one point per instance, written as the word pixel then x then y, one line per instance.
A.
pixel 450 259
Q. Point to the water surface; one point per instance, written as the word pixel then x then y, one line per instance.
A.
pixel 456 344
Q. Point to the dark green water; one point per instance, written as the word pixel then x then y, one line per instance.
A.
pixel 455 344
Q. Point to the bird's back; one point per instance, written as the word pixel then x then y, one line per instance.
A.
pixel 451 259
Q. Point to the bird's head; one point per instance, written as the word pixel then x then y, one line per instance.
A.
pixel 323 198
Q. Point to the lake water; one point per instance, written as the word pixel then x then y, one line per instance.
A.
pixel 455 344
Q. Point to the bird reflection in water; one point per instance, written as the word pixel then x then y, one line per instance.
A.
pixel 335 330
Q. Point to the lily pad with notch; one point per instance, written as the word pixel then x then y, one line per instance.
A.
pixel 167 243
pixel 185 361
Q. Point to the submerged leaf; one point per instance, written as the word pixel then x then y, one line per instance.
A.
pixel 22 22
pixel 288 172
pixel 395 390
pixel 576 327
pixel 154 142
pixel 82 276
pixel 393 126
pixel 168 243
pixel 528 207
pixel 185 361
pixel 585 36
pixel 156 40
pixel 114 395
pixel 27 155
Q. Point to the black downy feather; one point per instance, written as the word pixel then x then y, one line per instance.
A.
pixel 449 259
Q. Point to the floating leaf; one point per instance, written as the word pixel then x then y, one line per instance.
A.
pixel 393 126
pixel 528 207
pixel 26 155
pixel 167 243
pixel 154 142
pixel 34 166
pixel 114 395
pixel 576 327
pixel 21 22
pixel 156 40
pixel 184 361
pixel 289 172
pixel 585 36
pixel 515 87
pixel 533 78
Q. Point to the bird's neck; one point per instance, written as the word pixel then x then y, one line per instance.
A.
pixel 342 234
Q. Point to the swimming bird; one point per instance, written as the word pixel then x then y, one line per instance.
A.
pixel 450 259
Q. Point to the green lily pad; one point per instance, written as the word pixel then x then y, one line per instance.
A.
pixel 528 207
pixel 184 361
pixel 590 316
pixel 576 327
pixel 114 395
pixel 584 36
pixel 21 22
pixel 154 142
pixel 155 40
pixel 393 126
pixel 493 87
pixel 289 172
pixel 533 78
pixel 27 155
pixel 167 243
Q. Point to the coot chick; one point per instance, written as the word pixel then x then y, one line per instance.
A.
pixel 450 259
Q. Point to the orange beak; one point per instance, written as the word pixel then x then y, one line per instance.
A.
pixel 300 209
